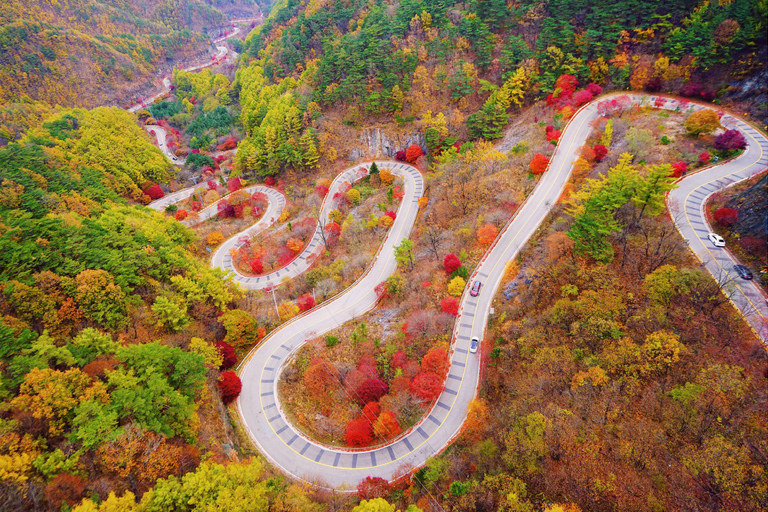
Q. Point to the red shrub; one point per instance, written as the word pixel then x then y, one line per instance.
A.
pixel 155 192
pixel 595 89
pixel 181 215
pixel 196 206
pixel 413 153
pixel 212 185
pixel 600 152
pixel 354 380
pixel 704 157
pixel 229 386
pixel 230 143
pixel 451 263
pixel 321 190
pixel 436 361
pixel 371 411
pixel 228 354
pixel 391 215
pixel 305 302
pixel 581 97
pixel 399 359
pixel 257 266
pixel 726 217
pixel 691 89
pixel 567 85
pixel 373 487
pixel 359 433
pixel 371 390
pixel 539 164
pixel 400 155
pixel 450 305
pixel 234 184
pixel 679 168
pixel 426 386
pixel 269 181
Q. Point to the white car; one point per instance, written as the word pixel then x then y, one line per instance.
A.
pixel 474 344
pixel 716 239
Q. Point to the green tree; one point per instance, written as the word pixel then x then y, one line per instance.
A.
pixel 170 314
pixel 404 254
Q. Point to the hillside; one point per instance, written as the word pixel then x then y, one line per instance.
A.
pixel 88 53
pixel 614 372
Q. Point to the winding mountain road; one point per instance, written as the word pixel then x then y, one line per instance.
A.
pixel 297 455
pixel 259 406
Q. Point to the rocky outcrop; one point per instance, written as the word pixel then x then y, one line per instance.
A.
pixel 374 143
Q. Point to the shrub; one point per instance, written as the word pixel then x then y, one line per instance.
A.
pixel 730 140
pixel 229 359
pixel 691 89
pixel 373 487
pixel 385 221
pixel 371 390
pixel 704 157
pixel 155 192
pixel 702 121
pixel 413 153
pixel 305 302
pixel 436 361
pixel 600 152
pixel 229 386
pixel 400 155
pixel 386 177
pixel 215 238
pixel 456 286
pixel 581 97
pixel 426 386
pixel 487 234
pixel 539 164
pixel 679 168
pixel 451 262
pixel 726 217
pixel 359 433
pixel 595 89
pixel 371 411
pixel 450 305
pixel 257 266
pixel 181 215
pixel 386 425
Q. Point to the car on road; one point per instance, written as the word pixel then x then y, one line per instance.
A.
pixel 475 288
pixel 474 344
pixel 716 239
pixel 743 271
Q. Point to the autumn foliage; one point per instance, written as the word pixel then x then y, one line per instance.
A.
pixel 726 217
pixel 487 234
pixel 359 432
pixel 451 263
pixel 450 305
pixel 427 386
pixel 305 302
pixel 600 152
pixel 155 192
pixel 373 487
pixel 413 153
pixel 229 359
pixel 679 168
pixel 371 390
pixel 229 386
pixel 539 164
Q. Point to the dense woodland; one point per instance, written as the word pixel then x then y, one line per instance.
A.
pixel 599 392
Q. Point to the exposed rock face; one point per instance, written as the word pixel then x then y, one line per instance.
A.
pixel 752 205
pixel 377 144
